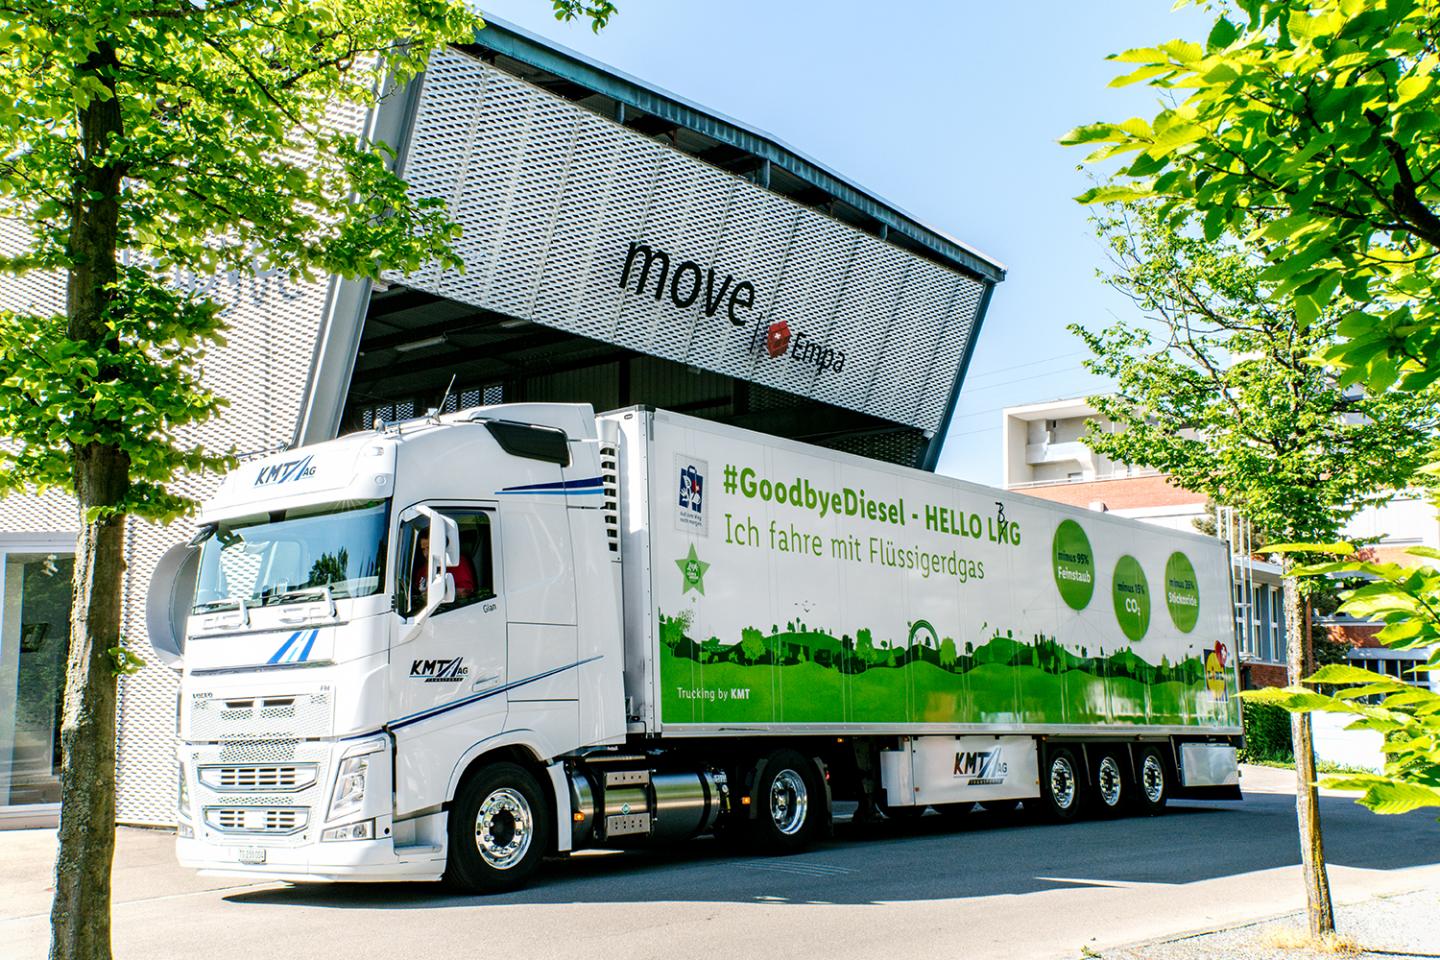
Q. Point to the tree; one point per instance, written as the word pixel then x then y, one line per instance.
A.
pixel 752 644
pixel 1406 598
pixel 1225 400
pixel 1323 117
pixel 1320 115
pixel 142 140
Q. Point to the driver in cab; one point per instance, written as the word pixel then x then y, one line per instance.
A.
pixel 463 572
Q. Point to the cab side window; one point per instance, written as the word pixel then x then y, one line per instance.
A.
pixel 474 574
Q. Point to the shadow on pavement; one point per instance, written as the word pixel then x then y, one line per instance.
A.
pixel 932 858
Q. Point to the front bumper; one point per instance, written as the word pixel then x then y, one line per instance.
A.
pixel 345 860
pixel 259 809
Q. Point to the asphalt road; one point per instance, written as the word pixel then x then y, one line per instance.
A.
pixel 930 888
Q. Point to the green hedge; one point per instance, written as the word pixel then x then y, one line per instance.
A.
pixel 1267 734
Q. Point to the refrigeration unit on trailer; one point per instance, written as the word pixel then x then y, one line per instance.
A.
pixel 452 646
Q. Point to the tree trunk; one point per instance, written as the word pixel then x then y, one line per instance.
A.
pixel 1318 909
pixel 80 914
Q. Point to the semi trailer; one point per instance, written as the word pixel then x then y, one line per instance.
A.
pixel 453 646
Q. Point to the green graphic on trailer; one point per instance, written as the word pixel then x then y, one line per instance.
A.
pixel 1074 565
pixel 1182 592
pixel 1132 598
pixel 801 673
pixel 692 572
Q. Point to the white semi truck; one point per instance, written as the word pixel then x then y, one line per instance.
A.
pixel 455 645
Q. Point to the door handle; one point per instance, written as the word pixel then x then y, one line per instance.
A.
pixel 488 680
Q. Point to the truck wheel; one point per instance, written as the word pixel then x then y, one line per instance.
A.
pixel 499 830
pixel 788 804
pixel 1060 786
pixel 1111 787
pixel 1154 786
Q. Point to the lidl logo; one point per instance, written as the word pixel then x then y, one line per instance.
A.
pixel 1215 662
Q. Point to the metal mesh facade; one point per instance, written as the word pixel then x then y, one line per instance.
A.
pixel 263 373
pixel 551 196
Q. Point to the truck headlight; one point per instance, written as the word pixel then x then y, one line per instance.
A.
pixel 349 786
pixel 350 779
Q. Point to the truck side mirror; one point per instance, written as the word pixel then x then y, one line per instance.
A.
pixel 168 602
pixel 444 553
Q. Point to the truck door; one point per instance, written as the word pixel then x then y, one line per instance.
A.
pixel 448 682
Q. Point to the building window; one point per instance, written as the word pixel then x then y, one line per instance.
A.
pixel 34 641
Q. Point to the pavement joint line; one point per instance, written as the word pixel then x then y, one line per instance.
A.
pixel 117 904
pixel 1258 921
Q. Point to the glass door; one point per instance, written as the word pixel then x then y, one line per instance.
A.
pixel 34 641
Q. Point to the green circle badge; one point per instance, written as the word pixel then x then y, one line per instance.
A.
pixel 1182 593
pixel 1074 565
pixel 1132 598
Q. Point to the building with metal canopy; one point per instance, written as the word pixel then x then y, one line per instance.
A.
pixel 621 246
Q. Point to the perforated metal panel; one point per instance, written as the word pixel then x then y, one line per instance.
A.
pixel 551 197
pixel 263 372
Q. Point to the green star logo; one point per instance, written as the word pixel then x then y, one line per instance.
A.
pixel 692 573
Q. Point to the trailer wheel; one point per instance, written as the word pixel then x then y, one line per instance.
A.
pixel 499 830
pixel 1154 786
pixel 1060 786
pixel 789 800
pixel 1111 787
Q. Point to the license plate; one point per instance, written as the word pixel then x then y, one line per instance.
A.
pixel 251 855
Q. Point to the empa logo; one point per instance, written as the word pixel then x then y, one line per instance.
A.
pixel 284 472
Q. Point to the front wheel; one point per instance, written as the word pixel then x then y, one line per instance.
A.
pixel 499 830
pixel 789 802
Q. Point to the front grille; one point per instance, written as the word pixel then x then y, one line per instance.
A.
pixel 276 821
pixel 249 777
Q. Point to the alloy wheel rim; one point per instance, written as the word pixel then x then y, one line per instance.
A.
pixel 504 827
pixel 1152 776
pixel 1110 782
pixel 1062 783
pixel 789 802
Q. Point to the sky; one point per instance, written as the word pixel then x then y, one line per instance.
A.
pixel 948 109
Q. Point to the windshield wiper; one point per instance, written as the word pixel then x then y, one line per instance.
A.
pixel 320 592
pixel 229 603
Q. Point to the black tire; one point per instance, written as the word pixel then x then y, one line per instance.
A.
pixel 500 828
pixel 1110 784
pixel 1061 786
pixel 1152 788
pixel 789 804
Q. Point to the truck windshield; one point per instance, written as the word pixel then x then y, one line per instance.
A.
pixel 293 556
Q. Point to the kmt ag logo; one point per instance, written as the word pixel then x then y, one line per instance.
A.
pixel 981 767
pixel 439 671
pixel 283 472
